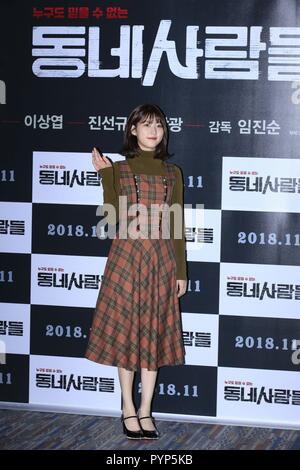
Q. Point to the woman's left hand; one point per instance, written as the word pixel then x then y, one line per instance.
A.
pixel 181 287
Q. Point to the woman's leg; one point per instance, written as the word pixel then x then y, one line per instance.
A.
pixel 126 381
pixel 148 378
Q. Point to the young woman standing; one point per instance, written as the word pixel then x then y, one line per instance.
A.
pixel 137 324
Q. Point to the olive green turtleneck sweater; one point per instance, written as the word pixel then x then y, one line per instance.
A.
pixel 146 163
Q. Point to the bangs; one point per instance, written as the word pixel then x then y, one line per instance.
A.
pixel 150 117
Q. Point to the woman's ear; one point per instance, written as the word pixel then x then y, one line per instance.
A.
pixel 133 130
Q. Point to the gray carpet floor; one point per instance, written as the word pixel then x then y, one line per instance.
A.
pixel 33 430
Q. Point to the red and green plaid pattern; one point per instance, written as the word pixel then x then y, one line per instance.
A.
pixel 137 320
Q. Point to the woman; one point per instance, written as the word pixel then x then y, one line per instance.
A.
pixel 137 321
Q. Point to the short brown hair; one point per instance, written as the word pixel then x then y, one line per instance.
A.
pixel 140 114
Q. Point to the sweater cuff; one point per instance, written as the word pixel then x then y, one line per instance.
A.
pixel 104 171
pixel 181 273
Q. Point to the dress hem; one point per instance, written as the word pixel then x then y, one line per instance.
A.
pixel 135 369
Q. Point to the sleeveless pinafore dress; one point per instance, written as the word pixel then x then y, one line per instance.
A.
pixel 136 321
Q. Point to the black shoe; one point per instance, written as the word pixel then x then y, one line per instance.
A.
pixel 131 434
pixel 149 434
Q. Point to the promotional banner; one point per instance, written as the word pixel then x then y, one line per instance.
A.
pixel 227 76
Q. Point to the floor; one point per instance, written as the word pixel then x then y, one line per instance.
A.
pixel 28 430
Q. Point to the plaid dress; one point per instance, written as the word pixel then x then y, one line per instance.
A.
pixel 136 321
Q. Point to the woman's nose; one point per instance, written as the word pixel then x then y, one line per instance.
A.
pixel 153 130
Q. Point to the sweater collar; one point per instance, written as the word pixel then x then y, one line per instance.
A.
pixel 149 154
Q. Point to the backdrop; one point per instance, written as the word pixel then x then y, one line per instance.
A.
pixel 226 75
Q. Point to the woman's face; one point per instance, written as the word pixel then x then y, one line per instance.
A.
pixel 149 133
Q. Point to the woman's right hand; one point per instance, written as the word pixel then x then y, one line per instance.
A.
pixel 99 160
